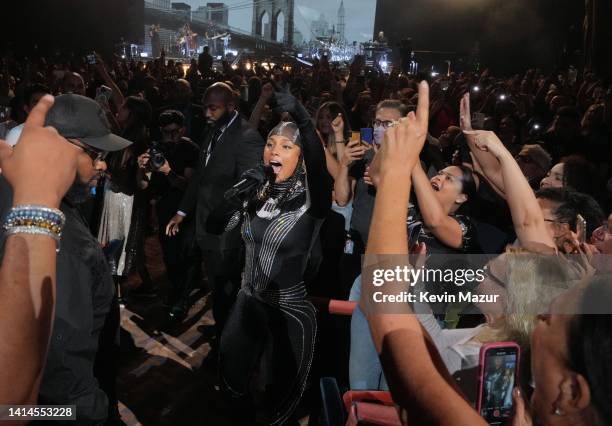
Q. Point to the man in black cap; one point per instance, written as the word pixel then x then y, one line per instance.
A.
pixel 85 290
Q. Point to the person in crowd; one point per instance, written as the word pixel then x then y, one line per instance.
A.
pixel 280 221
pixel 205 62
pixel 561 208
pixel 166 171
pixel 535 163
pixel 262 117
pixel 28 274
pixel 84 284
pixel 575 173
pixel 123 218
pixel 229 148
pixel 563 137
pixel 511 133
pixel 181 100
pixel 31 95
pixel 446 141
pixel 73 83
pixel 349 185
pixel 332 125
pixel 575 392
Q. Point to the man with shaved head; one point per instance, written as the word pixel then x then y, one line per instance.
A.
pixel 73 83
pixel 229 148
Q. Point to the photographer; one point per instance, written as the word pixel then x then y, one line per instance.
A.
pixel 166 169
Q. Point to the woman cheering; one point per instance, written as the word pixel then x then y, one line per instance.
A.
pixel 271 330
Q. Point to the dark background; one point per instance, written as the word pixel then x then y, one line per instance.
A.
pixel 75 25
pixel 511 35
pixel 508 35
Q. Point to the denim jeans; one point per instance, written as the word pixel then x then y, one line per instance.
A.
pixel 365 371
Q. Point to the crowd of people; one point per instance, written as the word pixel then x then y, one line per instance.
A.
pixel 515 167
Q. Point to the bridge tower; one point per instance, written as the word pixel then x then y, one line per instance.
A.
pixel 267 15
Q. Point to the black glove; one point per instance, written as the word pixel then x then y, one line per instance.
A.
pixel 286 102
pixel 248 184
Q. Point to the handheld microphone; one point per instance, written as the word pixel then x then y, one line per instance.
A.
pixel 250 179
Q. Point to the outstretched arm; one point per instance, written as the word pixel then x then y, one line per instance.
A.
pixel 415 372
pixel 489 165
pixel 527 215
pixel 319 181
pixel 445 228
pixel 28 271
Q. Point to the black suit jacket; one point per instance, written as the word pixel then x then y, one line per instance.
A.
pixel 240 148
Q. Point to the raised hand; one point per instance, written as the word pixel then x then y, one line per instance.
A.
pixel 402 143
pixel 354 151
pixel 487 141
pixel 267 91
pixel 465 118
pixel 338 127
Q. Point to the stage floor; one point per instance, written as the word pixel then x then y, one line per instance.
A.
pixel 167 375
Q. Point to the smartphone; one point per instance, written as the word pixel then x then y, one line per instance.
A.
pixel 581 229
pixel 498 375
pixel 104 93
pixel 91 59
pixel 366 135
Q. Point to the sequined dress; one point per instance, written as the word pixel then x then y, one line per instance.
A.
pixel 267 345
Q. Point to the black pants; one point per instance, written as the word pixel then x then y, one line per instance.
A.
pixel 224 271
pixel 106 367
pixel 183 259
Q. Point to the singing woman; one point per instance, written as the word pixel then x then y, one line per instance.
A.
pixel 267 345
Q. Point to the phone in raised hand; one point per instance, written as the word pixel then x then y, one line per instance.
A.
pixel 366 136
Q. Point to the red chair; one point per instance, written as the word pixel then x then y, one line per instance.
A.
pixel 370 407
pixel 373 414
pixel 333 306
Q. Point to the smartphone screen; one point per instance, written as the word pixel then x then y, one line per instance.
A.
pixel 91 59
pixel 499 375
pixel 366 135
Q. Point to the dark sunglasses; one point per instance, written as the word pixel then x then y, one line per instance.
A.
pixel 95 155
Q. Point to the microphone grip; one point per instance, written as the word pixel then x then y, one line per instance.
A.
pixel 240 188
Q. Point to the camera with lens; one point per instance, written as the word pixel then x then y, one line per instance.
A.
pixel 156 156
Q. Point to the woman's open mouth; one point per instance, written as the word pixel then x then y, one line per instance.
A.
pixel 276 166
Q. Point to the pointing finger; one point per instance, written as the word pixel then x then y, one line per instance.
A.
pixel 422 111
pixel 39 112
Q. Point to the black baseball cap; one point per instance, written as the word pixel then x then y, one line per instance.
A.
pixel 82 118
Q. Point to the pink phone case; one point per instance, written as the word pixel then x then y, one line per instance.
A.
pixel 481 368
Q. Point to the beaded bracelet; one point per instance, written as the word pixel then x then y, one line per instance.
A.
pixel 34 219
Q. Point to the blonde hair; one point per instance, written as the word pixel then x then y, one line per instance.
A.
pixel 532 282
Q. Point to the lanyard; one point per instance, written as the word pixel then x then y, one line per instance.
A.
pixel 222 130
